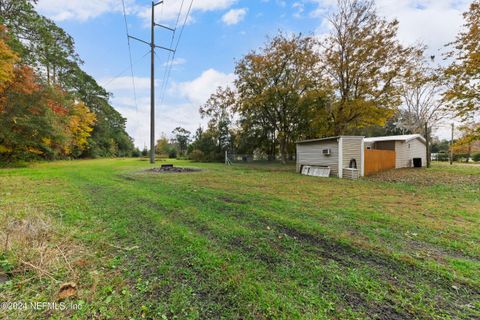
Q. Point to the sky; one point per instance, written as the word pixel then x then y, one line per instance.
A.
pixel 216 34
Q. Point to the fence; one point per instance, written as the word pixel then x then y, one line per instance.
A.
pixel 378 160
pixel 232 157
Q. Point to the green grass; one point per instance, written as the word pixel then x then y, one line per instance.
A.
pixel 247 241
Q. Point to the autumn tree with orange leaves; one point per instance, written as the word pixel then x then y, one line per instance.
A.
pixel 8 58
pixel 49 107
pixel 37 120
pixel 463 74
pixel 464 71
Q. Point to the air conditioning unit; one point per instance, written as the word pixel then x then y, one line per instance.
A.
pixel 326 152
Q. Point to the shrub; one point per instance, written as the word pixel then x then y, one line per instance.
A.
pixel 136 153
pixel 476 157
pixel 172 153
pixel 443 156
pixel 197 155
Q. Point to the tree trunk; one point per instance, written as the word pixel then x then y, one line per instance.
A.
pixel 272 151
pixel 283 149
pixel 48 74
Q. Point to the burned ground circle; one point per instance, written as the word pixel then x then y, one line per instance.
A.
pixel 172 169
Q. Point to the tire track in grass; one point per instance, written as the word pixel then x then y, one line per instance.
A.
pixel 360 304
pixel 354 299
pixel 203 230
pixel 398 271
pixel 143 224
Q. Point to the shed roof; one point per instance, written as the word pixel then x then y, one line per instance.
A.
pixel 327 138
pixel 406 138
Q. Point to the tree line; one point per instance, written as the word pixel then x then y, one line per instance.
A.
pixel 49 107
pixel 359 79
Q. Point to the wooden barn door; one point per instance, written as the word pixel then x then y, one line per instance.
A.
pixel 378 160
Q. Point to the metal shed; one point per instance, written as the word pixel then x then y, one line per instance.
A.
pixel 407 148
pixel 354 156
pixel 343 155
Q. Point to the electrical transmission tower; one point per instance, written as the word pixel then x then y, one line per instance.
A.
pixel 152 75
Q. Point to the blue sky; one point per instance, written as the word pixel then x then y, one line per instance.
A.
pixel 217 33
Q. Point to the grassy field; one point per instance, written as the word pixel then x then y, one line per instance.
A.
pixel 240 242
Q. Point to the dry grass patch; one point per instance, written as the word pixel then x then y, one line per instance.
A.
pixel 45 259
pixel 33 246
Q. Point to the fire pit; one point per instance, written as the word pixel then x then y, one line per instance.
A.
pixel 170 168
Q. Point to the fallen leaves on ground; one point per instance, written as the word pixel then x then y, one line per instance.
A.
pixel 424 177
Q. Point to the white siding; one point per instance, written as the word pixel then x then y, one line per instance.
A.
pixel 406 151
pixel 352 149
pixel 401 155
pixel 418 150
pixel 311 154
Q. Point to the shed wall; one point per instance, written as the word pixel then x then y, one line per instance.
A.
pixel 418 150
pixel 311 154
pixel 352 149
pixel 406 151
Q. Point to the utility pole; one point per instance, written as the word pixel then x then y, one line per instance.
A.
pixel 152 89
pixel 451 145
pixel 152 76
pixel 427 139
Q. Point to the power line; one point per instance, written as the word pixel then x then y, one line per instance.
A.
pixel 164 89
pixel 179 15
pixel 124 70
pixel 130 54
pixel 183 26
pixel 174 33
pixel 152 46
pixel 166 69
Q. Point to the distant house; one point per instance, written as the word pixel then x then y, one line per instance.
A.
pixel 356 156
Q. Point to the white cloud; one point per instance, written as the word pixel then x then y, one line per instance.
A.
pixel 167 117
pixel 199 90
pixel 299 8
pixel 209 5
pixel 323 7
pixel 83 10
pixel 168 12
pixel 176 62
pixel 80 10
pixel 431 22
pixel 234 16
